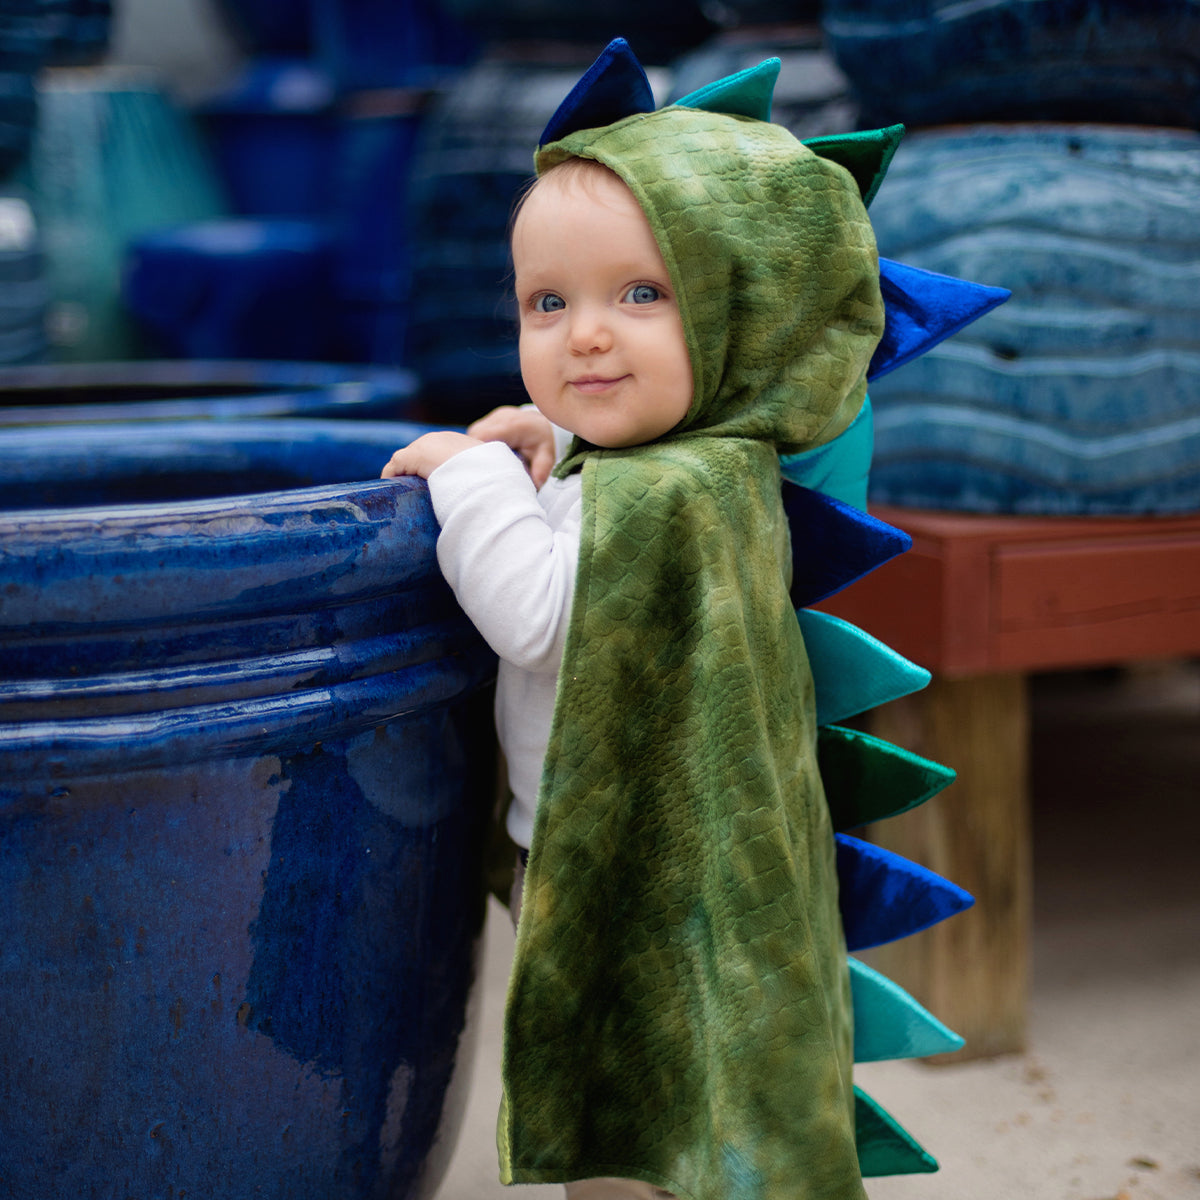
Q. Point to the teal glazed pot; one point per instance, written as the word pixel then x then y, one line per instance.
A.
pixel 202 389
pixel 245 780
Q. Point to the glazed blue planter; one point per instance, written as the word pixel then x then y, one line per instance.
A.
pixel 245 779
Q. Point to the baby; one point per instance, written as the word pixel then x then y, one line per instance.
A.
pixel 698 293
pixel 603 356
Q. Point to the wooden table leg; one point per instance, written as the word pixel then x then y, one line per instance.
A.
pixel 971 971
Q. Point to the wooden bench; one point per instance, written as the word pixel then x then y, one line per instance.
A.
pixel 981 602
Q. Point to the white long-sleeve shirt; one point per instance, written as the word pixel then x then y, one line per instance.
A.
pixel 510 552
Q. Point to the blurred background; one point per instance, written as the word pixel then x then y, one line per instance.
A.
pixel 331 180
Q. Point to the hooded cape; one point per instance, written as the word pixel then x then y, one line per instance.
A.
pixel 679 1010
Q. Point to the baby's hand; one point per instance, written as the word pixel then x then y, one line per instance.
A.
pixel 524 430
pixel 427 453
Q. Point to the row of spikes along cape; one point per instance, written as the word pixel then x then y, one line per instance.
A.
pixel 882 896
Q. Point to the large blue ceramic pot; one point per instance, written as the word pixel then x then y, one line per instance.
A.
pixel 245 777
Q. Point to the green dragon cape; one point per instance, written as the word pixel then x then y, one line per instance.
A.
pixel 679 1010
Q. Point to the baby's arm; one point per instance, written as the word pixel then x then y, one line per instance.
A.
pixel 524 430
pixel 427 453
pixel 511 568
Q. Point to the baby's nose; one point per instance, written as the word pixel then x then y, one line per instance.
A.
pixel 590 329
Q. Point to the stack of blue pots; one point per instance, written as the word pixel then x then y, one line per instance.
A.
pixel 1052 149
pixel 313 140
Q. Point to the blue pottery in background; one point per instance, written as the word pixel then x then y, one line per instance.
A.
pixel 472 159
pixel 173 390
pixel 320 269
pixel 941 62
pixel 23 290
pixel 657 32
pixel 79 30
pixel 245 777
pixel 237 288
pixel 811 98
pixel 273 135
pixel 373 240
pixel 270 26
pixel 1078 396
pixel 371 44
pixel 111 158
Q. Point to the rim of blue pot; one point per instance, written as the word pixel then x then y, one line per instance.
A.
pixel 140 634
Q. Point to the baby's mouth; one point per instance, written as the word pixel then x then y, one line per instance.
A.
pixel 591 384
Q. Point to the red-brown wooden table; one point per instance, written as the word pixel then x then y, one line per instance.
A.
pixel 982 602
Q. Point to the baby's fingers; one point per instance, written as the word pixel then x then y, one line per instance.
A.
pixel 397 465
pixel 500 425
pixel 541 462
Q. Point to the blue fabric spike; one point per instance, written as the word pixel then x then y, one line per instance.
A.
pixel 613 87
pixel 867 779
pixel 889 1023
pixel 884 1146
pixel 839 468
pixel 833 544
pixel 746 94
pixel 885 897
pixel 853 671
pixel 924 308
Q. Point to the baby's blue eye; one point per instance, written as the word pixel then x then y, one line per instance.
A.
pixel 643 293
pixel 549 303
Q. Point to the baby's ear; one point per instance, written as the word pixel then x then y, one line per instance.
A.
pixel 612 88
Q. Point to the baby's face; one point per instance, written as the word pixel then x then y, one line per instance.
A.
pixel 602 347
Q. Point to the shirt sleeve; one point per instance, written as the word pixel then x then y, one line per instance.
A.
pixel 511 567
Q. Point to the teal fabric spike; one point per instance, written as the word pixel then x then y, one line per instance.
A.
pixel 746 94
pixel 889 1023
pixel 884 1146
pixel 867 779
pixel 839 468
pixel 852 671
pixel 866 154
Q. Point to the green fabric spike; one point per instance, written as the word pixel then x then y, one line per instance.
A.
pixel 853 671
pixel 867 779
pixel 889 1023
pixel 866 154
pixel 746 94
pixel 884 1146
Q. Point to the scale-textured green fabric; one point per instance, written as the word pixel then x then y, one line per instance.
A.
pixel 679 1010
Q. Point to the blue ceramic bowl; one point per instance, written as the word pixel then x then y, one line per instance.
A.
pixel 245 779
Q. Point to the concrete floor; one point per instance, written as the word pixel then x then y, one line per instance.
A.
pixel 1105 1105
